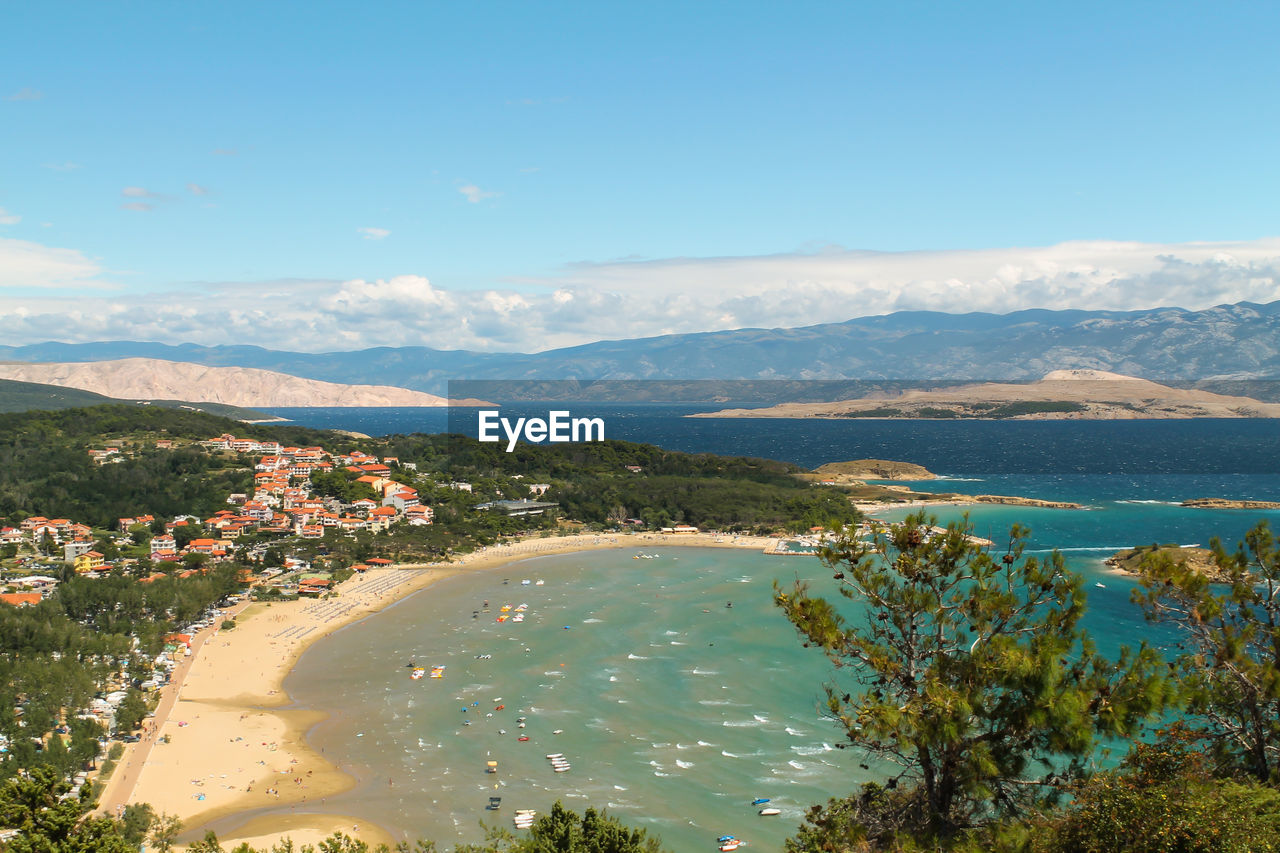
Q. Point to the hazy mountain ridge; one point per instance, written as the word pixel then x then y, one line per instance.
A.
pixel 149 378
pixel 1240 341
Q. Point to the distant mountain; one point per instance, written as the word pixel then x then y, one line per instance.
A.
pixel 151 379
pixel 1226 342
pixel 29 396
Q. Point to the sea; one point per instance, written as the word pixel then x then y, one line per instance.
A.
pixel 666 677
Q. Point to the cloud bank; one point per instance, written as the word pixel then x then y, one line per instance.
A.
pixel 594 301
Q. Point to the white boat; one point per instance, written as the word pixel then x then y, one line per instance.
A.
pixel 551 755
pixel 769 812
pixel 561 768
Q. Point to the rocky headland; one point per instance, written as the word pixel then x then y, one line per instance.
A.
pixel 154 379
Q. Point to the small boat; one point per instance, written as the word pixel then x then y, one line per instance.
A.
pixel 554 755
pixel 437 672
pixel 495 803
pixel 558 732
pixel 523 737
pixel 722 839
pixel 731 845
pixel 759 802
pixel 525 582
pixel 491 767
pixel 539 582
pixel 499 707
pixel 561 768
pixel 1100 585
pixel 770 812
pixel 417 673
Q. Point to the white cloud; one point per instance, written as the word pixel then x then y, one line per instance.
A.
pixel 25 94
pixel 475 195
pixel 196 189
pixel 371 233
pixel 629 298
pixel 27 264
pixel 7 218
pixel 138 192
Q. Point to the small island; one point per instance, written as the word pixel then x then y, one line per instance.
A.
pixel 1228 503
pixel 1198 560
pixel 853 476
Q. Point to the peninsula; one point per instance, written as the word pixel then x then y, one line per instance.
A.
pixel 155 379
pixel 1060 395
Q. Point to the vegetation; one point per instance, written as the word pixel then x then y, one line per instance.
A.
pixel 961 669
pixel 1163 798
pixel 1231 668
pixel 975 683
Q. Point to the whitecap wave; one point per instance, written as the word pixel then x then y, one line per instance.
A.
pixel 684 765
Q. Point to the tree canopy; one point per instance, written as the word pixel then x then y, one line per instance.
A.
pixel 972 678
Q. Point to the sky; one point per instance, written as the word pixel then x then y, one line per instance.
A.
pixel 522 176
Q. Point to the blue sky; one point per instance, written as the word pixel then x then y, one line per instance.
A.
pixel 654 167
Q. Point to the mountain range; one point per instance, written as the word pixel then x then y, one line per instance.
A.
pixel 1238 342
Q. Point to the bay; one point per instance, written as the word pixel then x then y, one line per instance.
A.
pixel 676 710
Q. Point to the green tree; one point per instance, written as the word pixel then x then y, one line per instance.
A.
pixel 975 682
pixel 1232 668
pixel 140 534
pixel 164 831
pixel 1164 799
pixel 136 822
pixel 132 710
pixel 49 821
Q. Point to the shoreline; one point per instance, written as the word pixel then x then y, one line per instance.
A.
pixel 237 745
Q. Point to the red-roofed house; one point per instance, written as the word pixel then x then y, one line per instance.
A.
pixel 21 599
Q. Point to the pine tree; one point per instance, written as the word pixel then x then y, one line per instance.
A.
pixel 972 679
pixel 1232 668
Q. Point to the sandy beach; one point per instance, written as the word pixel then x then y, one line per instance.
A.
pixel 225 742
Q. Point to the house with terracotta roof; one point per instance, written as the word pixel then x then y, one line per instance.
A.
pixel 419 515
pixel 90 561
pixel 21 599
pixel 381 518
pixel 402 499
pixel 203 546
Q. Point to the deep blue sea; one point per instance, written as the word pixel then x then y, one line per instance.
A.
pixel 675 710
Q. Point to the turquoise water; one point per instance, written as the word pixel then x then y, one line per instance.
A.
pixel 675 709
